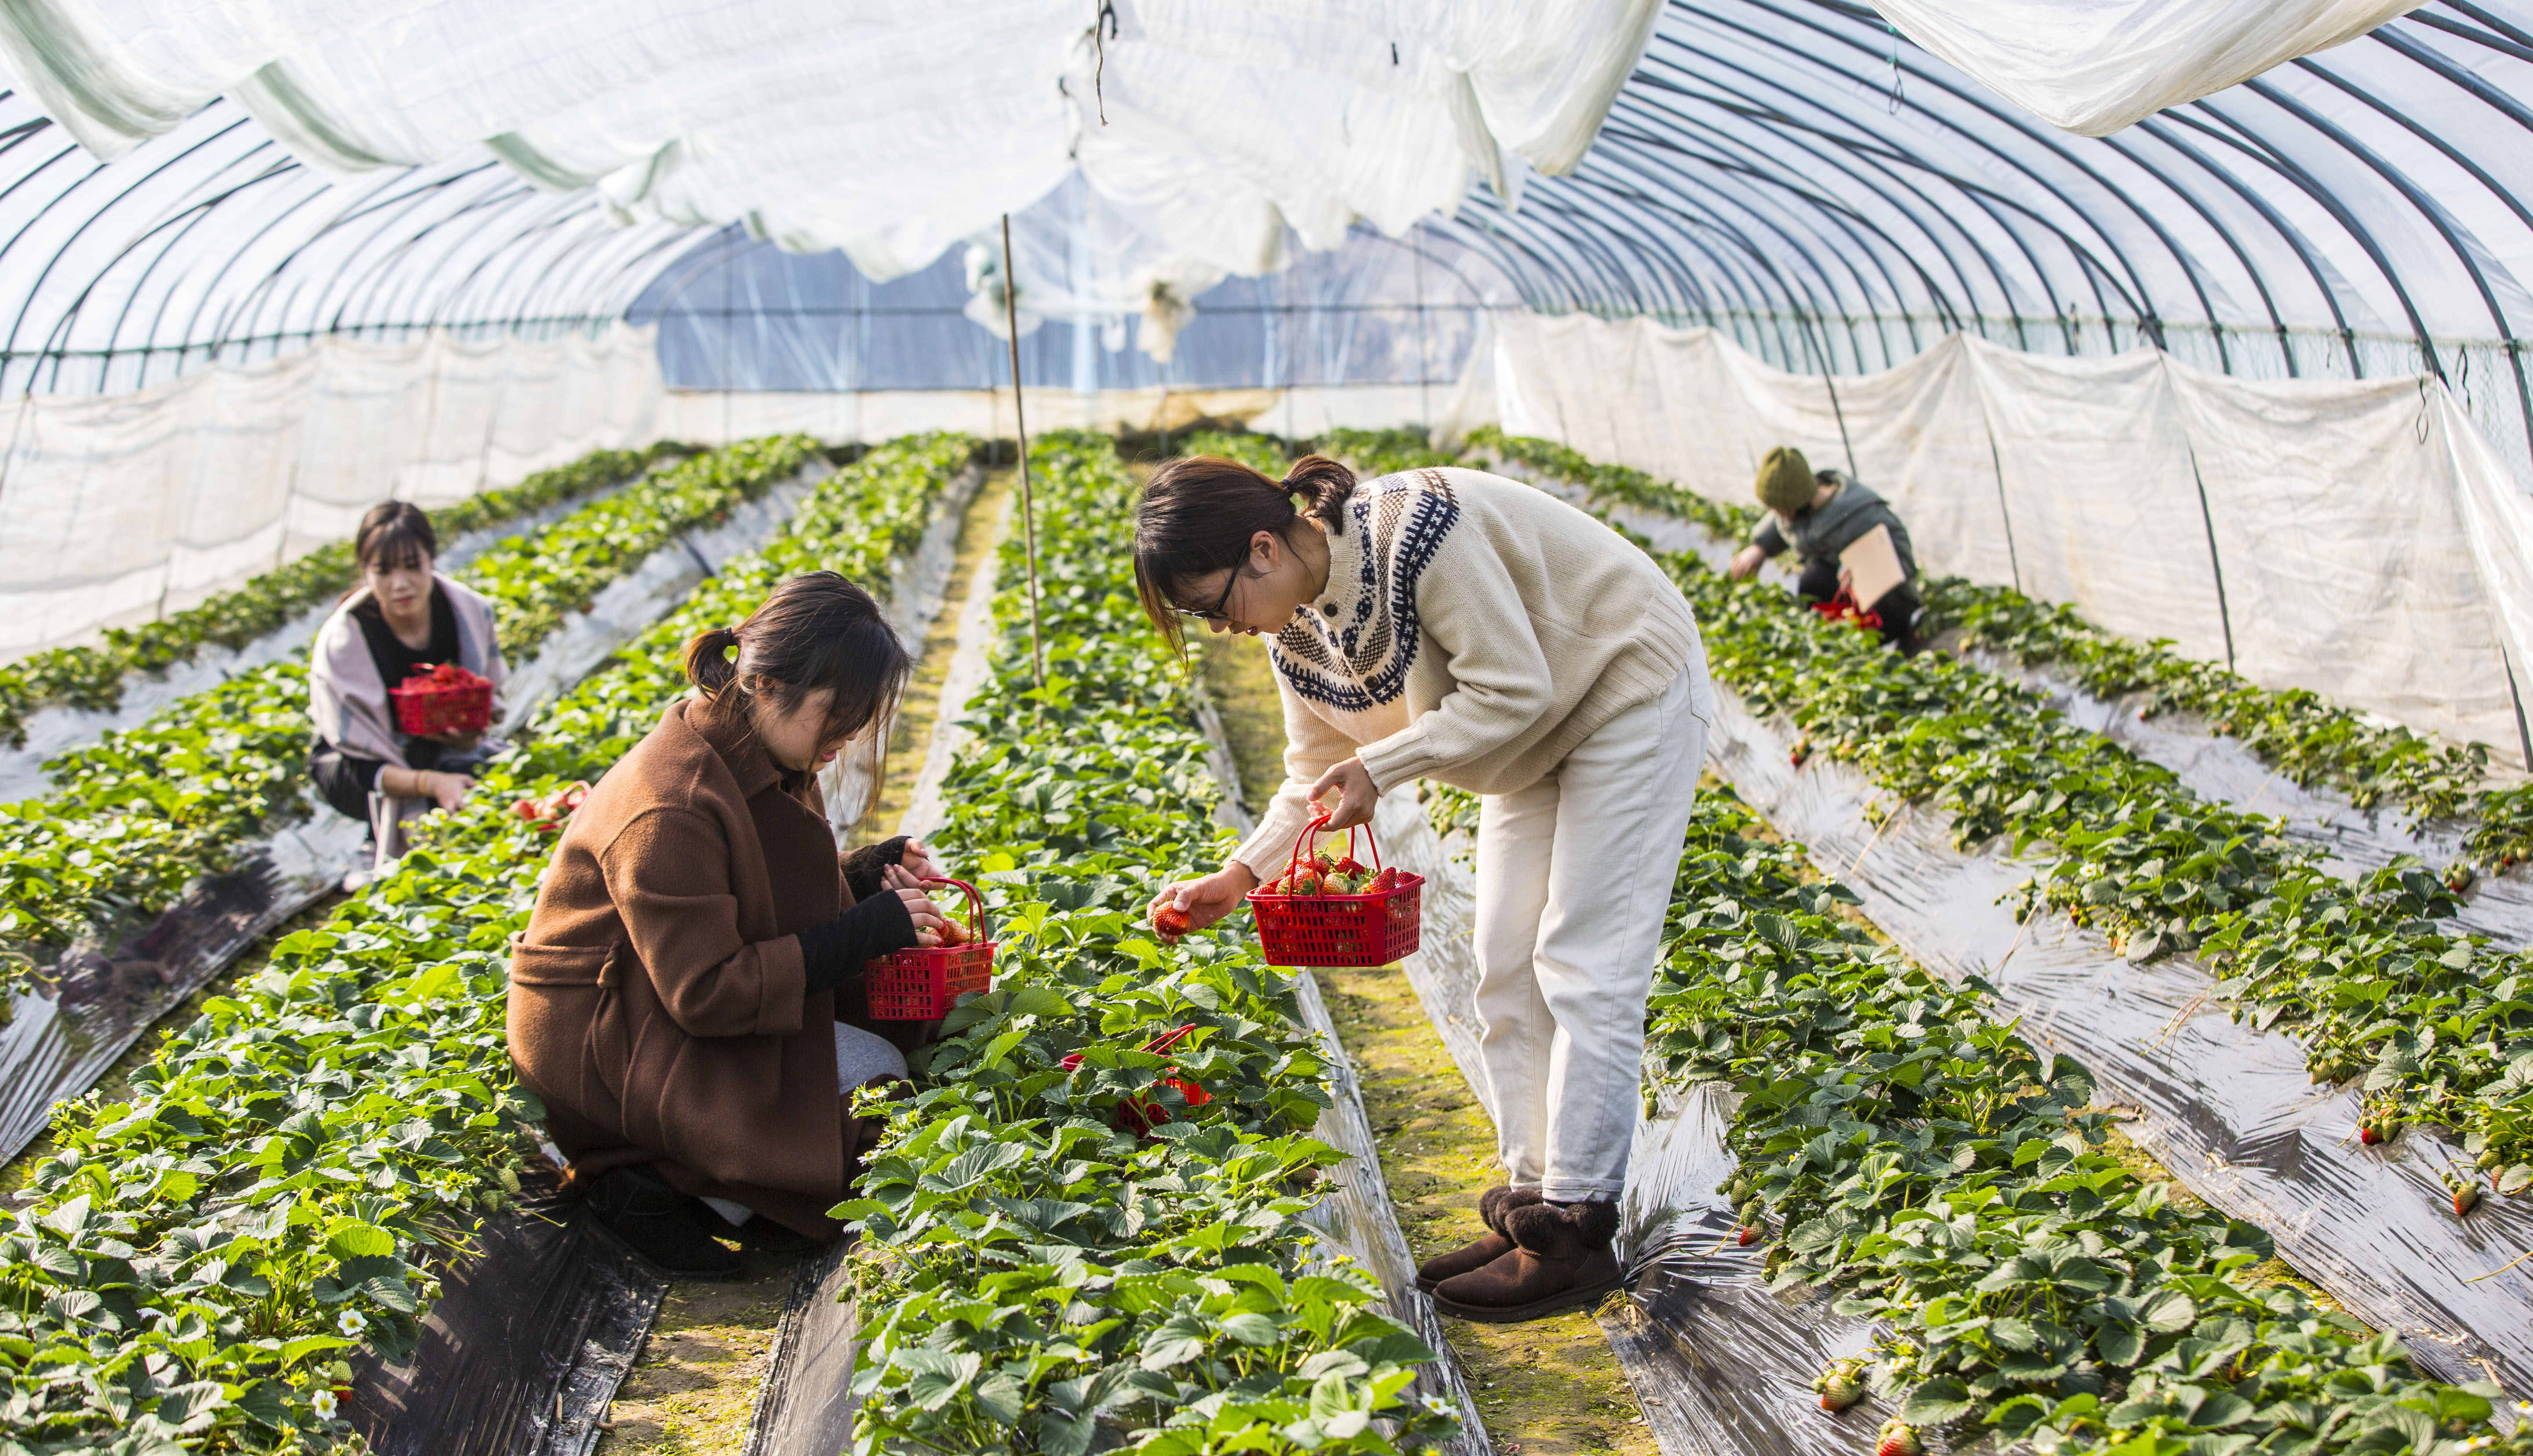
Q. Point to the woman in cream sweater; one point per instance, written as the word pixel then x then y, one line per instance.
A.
pixel 1458 626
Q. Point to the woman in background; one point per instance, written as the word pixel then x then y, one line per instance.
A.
pixel 403 616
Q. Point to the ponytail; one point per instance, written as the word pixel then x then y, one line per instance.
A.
pixel 711 661
pixel 815 631
pixel 1328 484
pixel 1200 512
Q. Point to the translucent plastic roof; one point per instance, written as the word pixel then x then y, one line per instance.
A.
pixel 1797 171
pixel 1836 196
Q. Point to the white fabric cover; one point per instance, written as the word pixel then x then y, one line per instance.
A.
pixel 113 509
pixel 2374 545
pixel 2094 66
pixel 889 130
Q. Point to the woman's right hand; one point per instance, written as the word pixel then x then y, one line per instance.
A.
pixel 1209 899
pixel 1747 562
pixel 929 920
pixel 447 790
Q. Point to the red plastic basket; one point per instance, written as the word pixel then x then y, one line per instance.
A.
pixel 1365 929
pixel 923 983
pixel 447 699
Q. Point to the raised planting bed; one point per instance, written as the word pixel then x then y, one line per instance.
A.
pixel 291 1176
pixel 1033 1275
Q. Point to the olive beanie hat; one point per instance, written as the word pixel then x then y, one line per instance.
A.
pixel 1785 482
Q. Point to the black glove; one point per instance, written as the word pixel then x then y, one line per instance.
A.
pixel 835 949
pixel 864 865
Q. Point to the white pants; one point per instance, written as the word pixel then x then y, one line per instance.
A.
pixel 1574 874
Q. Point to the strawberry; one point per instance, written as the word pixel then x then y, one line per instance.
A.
pixel 2370 1134
pixel 1898 1440
pixel 1169 922
pixel 1352 866
pixel 527 809
pixel 1386 881
pixel 1802 750
pixel 2466 1198
pixel 1841 1384
pixel 1747 1236
pixel 1306 881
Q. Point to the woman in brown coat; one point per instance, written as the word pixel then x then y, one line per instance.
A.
pixel 688 997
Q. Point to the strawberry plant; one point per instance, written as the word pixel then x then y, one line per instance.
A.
pixel 1948 1179
pixel 1084 1233
pixel 1263 453
pixel 92 677
pixel 2309 740
pixel 139 814
pixel 1377 452
pixel 186 1272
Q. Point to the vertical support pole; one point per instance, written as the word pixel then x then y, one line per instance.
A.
pixel 1020 429
pixel 2224 614
pixel 1996 462
pixel 2523 735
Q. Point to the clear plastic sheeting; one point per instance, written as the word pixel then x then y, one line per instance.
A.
pixel 2095 69
pixel 735 313
pixel 889 131
pixel 1837 199
pixel 114 509
pixel 2227 1110
pixel 2316 534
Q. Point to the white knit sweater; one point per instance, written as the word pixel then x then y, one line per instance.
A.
pixel 1473 630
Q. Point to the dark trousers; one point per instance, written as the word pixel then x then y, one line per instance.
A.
pixel 345 780
pixel 1899 610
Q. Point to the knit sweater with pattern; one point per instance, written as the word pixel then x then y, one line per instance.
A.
pixel 1473 630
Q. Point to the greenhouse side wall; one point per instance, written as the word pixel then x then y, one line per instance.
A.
pixel 120 507
pixel 2361 539
pixel 717 417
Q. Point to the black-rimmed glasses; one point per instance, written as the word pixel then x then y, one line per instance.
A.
pixel 1214 613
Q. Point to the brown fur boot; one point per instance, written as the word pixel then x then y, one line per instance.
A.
pixel 1561 1256
pixel 1493 1205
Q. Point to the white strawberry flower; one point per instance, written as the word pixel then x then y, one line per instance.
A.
pixel 351 1323
pixel 324 1404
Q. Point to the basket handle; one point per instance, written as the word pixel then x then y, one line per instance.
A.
pixel 1293 861
pixel 978 927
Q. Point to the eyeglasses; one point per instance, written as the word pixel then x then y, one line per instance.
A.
pixel 1214 613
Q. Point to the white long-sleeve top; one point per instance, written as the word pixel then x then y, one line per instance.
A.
pixel 1473 630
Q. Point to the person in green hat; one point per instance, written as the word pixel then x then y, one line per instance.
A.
pixel 1821 513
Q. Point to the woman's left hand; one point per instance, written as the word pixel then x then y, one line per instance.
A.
pixel 1356 793
pixel 917 860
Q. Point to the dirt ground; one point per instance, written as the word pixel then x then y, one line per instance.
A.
pixel 1550 1388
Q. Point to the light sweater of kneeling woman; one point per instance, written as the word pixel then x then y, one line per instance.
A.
pixel 1473 630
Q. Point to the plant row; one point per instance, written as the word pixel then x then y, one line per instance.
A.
pixel 1084 1233
pixel 191 1267
pixel 92 677
pixel 2306 737
pixel 1897 1145
pixel 139 814
pixel 2371 975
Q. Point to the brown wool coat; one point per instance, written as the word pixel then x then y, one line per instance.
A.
pixel 656 996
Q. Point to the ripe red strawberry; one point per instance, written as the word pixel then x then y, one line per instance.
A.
pixel 1802 750
pixel 527 809
pixel 2370 1134
pixel 1386 881
pixel 1748 1235
pixel 1352 866
pixel 1170 922
pixel 1898 1440
pixel 1306 881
